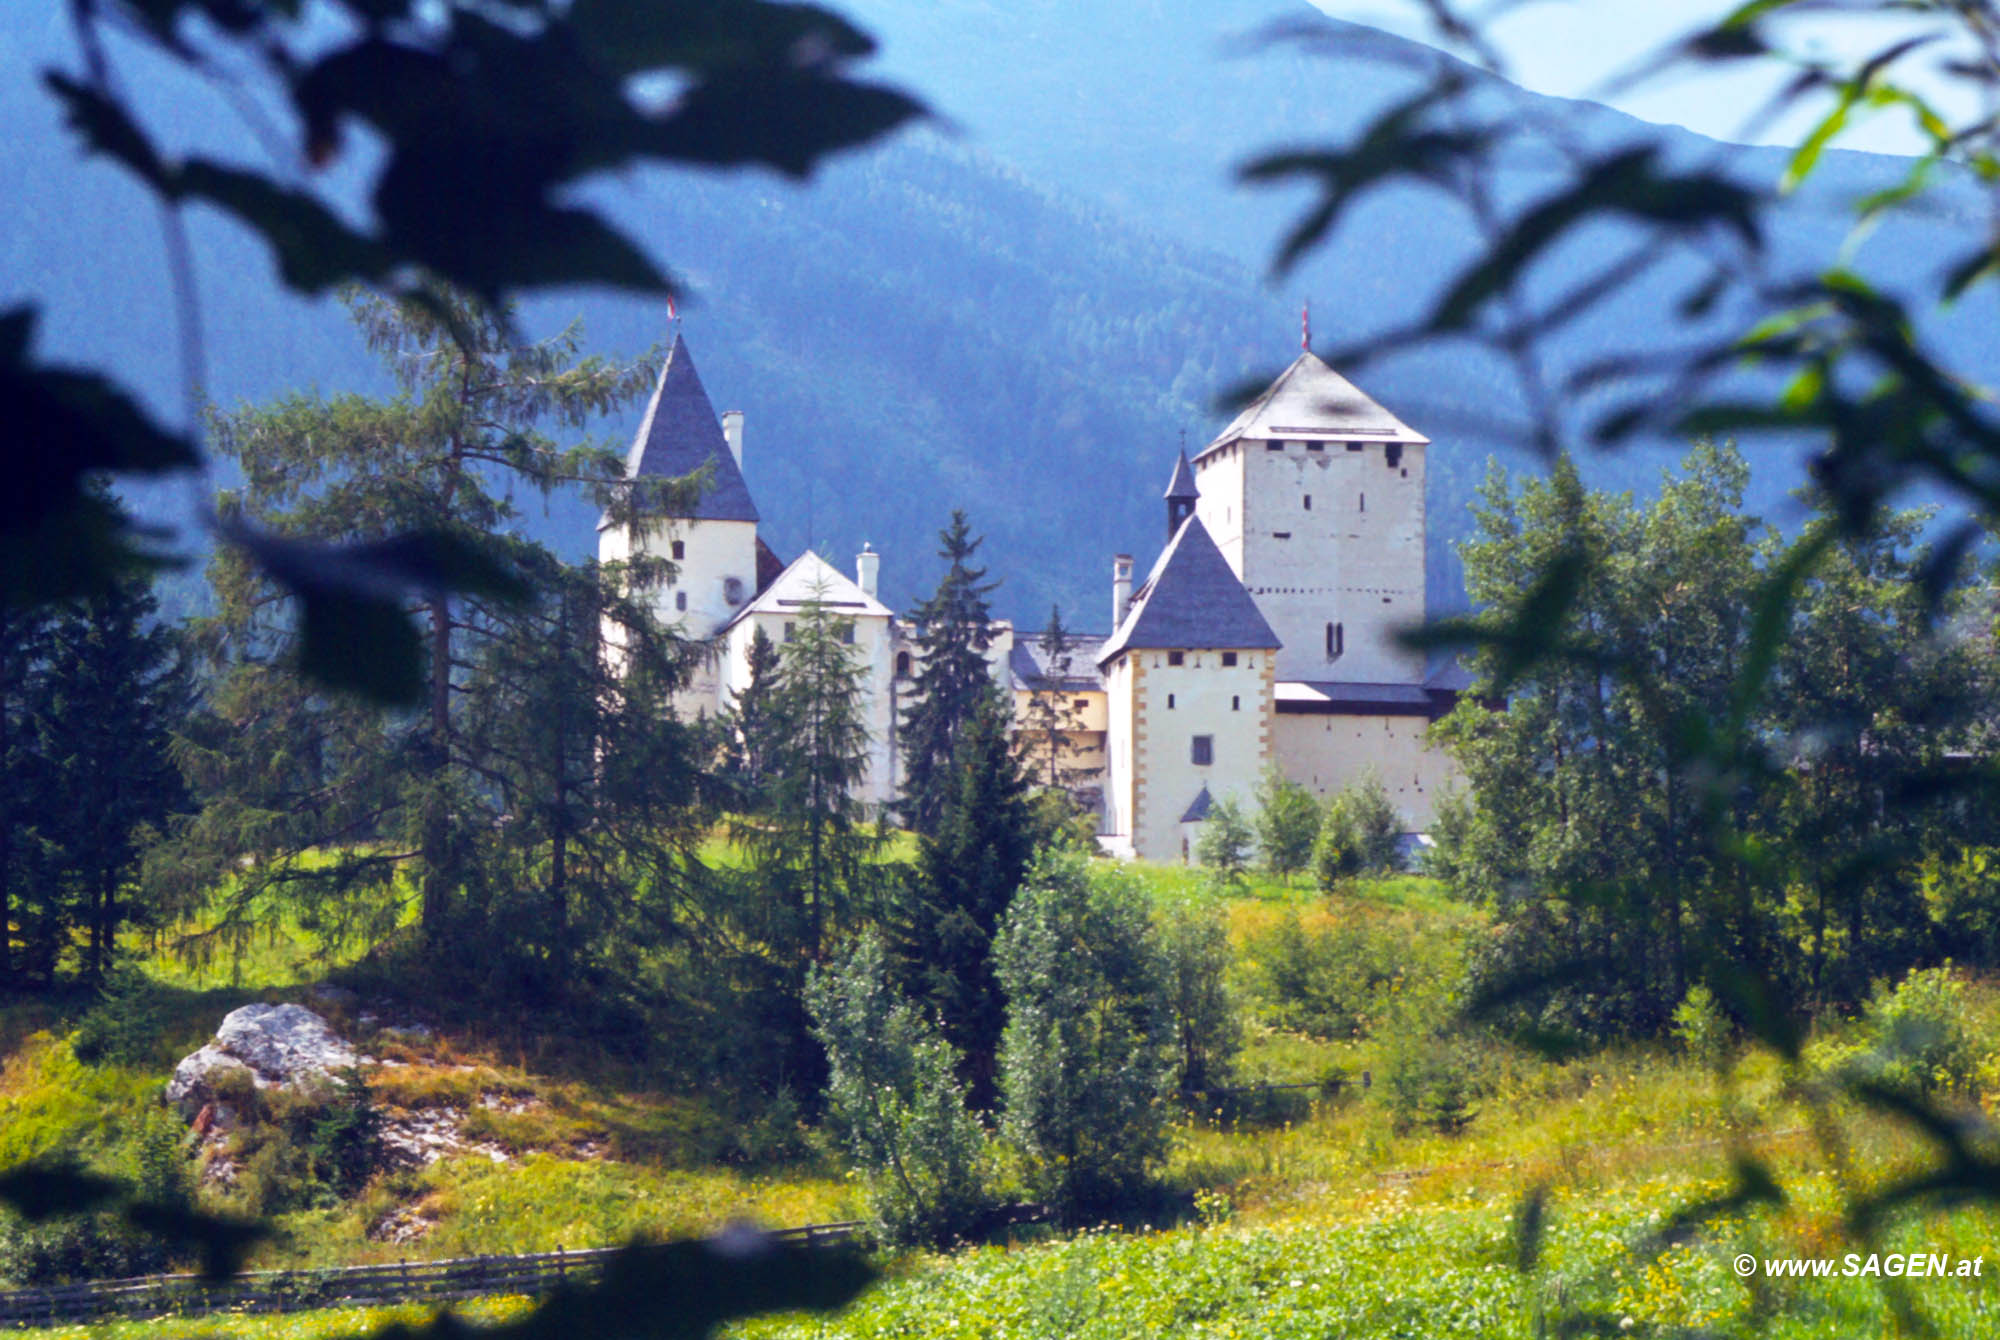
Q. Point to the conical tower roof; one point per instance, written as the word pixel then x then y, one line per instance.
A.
pixel 1191 600
pixel 1181 487
pixel 680 433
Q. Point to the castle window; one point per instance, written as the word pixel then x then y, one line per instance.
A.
pixel 1235 702
pixel 1176 658
pixel 1170 702
pixel 1309 502
pixel 680 549
pixel 680 600
pixel 791 631
pixel 1364 502
pixel 902 665
pixel 1203 752
pixel 1315 446
pixel 1281 535
pixel 1354 446
pixel 1393 453
pixel 1336 641
pixel 1274 446
pixel 1229 658
pixel 847 633
pixel 1082 704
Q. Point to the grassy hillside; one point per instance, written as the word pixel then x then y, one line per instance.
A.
pixel 1293 1212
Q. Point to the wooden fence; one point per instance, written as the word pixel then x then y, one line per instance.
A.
pixel 342 1286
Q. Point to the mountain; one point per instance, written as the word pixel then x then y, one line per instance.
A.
pixel 1020 316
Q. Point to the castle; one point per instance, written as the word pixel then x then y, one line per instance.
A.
pixel 1264 633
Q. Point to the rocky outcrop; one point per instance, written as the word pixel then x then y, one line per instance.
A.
pixel 257 1047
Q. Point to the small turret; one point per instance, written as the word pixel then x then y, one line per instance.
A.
pixel 1181 495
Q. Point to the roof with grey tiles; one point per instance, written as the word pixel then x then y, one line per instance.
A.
pixel 1197 811
pixel 680 433
pixel 1191 599
pixel 1029 662
pixel 1182 484
pixel 1310 401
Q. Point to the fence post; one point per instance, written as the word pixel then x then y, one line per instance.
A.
pixel 562 1272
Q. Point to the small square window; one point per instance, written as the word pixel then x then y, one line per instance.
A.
pixel 1315 446
pixel 847 634
pixel 1354 446
pixel 1203 752
pixel 1170 702
pixel 1393 454
pixel 1229 658
pixel 1309 502
pixel 1235 702
pixel 1176 658
pixel 1274 446
pixel 680 549
pixel 680 600
pixel 791 631
pixel 1082 704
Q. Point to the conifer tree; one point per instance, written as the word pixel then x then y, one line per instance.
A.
pixel 337 808
pixel 24 634
pixel 754 728
pixel 953 636
pixel 113 690
pixel 967 873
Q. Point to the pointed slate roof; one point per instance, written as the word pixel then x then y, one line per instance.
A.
pixel 1181 486
pixel 680 433
pixel 1310 401
pixel 1191 599
pixel 1197 812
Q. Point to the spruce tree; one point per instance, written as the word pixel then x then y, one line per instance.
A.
pixel 113 690
pixel 754 727
pixel 24 634
pixel 953 636
pixel 967 873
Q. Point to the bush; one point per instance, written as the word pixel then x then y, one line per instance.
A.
pixel 1288 822
pixel 1916 1040
pixel 1224 844
pixel 1194 948
pixel 893 1102
pixel 1358 836
pixel 1324 982
pixel 1088 1049
pixel 75 1248
pixel 343 1141
pixel 123 1027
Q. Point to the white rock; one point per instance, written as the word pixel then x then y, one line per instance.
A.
pixel 277 1045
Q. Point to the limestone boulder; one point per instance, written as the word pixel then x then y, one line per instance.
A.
pixel 257 1046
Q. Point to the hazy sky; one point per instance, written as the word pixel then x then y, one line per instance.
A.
pixel 1572 47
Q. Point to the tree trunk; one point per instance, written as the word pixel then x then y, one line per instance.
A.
pixel 436 821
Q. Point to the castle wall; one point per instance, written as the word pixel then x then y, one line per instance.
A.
pixel 1174 704
pixel 1326 754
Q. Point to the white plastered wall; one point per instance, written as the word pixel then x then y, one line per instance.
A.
pixel 1229 704
pixel 1326 754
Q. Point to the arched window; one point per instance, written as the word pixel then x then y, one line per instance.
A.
pixel 902 665
pixel 1336 641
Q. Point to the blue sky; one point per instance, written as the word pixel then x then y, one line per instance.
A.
pixel 1573 48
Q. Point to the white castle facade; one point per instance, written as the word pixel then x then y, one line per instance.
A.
pixel 1265 632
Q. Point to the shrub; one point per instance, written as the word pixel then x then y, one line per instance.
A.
pixel 893 1102
pixel 123 1027
pixel 1429 1076
pixel 1224 844
pixel 75 1248
pixel 343 1141
pixel 1323 982
pixel 1358 835
pixel 1915 1036
pixel 1088 1049
pixel 1287 823
pixel 1702 1028
pixel 1194 949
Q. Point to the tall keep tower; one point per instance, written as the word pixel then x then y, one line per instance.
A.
pixel 1315 496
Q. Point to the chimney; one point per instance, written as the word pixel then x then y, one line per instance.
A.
pixel 732 429
pixel 1121 588
pixel 867 566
